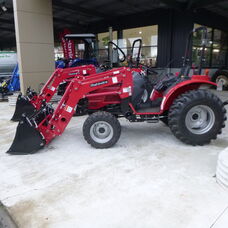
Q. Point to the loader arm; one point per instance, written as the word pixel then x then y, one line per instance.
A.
pixel 60 75
pixel 48 123
pixel 32 102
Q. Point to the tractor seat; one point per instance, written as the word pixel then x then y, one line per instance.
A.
pixel 138 88
pixel 168 81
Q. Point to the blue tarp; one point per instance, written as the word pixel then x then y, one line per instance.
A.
pixel 14 84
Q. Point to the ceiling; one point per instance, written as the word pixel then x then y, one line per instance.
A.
pixel 90 15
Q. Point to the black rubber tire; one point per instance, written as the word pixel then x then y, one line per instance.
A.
pixel 219 73
pixel 102 116
pixel 183 104
pixel 165 120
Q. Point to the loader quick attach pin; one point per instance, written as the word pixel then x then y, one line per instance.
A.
pixel 27 139
pixel 23 105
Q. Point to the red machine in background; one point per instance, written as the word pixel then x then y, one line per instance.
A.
pixel 32 101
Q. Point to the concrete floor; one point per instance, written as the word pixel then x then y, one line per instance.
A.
pixel 149 179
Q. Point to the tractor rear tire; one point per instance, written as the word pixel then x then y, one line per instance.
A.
pixel 196 117
pixel 101 130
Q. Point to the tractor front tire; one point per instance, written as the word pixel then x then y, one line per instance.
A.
pixel 196 117
pixel 101 130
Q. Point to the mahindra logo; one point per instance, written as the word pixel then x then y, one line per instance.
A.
pixel 98 83
pixel 75 73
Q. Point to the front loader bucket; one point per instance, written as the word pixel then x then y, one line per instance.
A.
pixel 23 105
pixel 27 139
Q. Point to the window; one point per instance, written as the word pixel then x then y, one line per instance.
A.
pixel 219 51
pixel 149 36
pixel 216 50
pixel 103 39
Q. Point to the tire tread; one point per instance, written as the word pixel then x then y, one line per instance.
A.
pixel 176 111
pixel 104 116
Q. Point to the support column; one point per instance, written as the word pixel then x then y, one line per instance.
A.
pixel 164 39
pixel 173 31
pixel 182 26
pixel 35 41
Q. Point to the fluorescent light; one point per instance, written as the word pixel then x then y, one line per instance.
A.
pixel 3 7
pixel 216 50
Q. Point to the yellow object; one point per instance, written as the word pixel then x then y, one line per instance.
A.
pixel 4 84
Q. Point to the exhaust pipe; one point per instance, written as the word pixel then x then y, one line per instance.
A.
pixel 27 138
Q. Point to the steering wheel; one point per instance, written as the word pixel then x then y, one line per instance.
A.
pixel 118 48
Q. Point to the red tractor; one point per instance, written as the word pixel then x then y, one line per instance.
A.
pixel 60 79
pixel 194 115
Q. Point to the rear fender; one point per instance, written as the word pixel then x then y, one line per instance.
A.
pixel 181 88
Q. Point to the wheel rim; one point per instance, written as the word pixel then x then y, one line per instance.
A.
pixel 200 119
pixel 222 79
pixel 101 132
pixel 145 96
